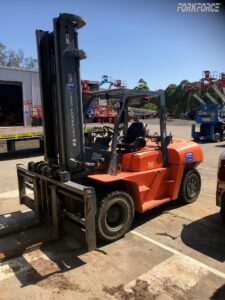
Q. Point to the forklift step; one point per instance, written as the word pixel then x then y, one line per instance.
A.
pixel 153 203
pixel 170 181
pixel 143 188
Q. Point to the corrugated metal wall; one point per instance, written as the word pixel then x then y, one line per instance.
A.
pixel 30 87
pixel 35 89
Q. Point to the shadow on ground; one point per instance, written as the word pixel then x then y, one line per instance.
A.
pixel 221 146
pixel 61 257
pixel 219 294
pixel 21 154
pixel 19 234
pixel 206 236
pixel 140 219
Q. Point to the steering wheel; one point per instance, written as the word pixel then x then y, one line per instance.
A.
pixel 108 130
pixel 155 137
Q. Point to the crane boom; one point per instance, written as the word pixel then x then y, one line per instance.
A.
pixel 213 100
pixel 219 93
pixel 199 99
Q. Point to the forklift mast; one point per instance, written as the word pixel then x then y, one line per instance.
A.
pixel 59 65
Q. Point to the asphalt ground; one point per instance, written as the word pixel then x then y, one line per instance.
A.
pixel 172 252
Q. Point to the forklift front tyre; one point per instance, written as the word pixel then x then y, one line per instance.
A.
pixel 114 216
pixel 190 186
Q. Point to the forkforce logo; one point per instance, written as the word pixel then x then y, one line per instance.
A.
pixel 187 7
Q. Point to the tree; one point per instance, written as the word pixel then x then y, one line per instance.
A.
pixel 15 59
pixel 11 58
pixel 142 85
pixel 30 63
pixel 3 55
pixel 150 106
pixel 177 98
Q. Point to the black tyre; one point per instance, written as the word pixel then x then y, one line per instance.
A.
pixel 216 137
pixel 190 186
pixel 196 137
pixel 222 137
pixel 222 209
pixel 114 216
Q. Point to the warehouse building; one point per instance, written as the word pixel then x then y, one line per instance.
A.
pixel 20 96
pixel 19 92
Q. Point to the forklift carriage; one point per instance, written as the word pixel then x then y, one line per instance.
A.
pixel 90 185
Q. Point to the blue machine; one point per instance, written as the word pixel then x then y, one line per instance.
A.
pixel 211 118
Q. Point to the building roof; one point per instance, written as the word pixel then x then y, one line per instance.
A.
pixel 18 69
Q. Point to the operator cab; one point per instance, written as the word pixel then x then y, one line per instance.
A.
pixel 106 145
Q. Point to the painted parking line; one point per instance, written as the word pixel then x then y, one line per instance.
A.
pixel 176 252
pixel 12 194
pixel 170 279
pixel 208 195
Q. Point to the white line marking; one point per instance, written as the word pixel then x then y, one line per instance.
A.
pixel 175 274
pixel 12 194
pixel 206 168
pixel 208 194
pixel 174 251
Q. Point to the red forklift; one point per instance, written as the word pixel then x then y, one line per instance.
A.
pixel 91 187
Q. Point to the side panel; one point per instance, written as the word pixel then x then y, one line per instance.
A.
pixel 148 188
pixel 184 152
pixel 141 161
pixel 148 182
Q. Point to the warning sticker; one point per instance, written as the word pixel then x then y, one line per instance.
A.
pixel 189 157
pixel 20 135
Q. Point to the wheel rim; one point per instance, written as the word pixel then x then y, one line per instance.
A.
pixel 192 187
pixel 115 217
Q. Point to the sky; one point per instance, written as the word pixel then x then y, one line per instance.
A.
pixel 126 39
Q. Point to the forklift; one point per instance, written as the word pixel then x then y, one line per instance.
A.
pixel 90 184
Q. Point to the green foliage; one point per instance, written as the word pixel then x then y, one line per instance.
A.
pixel 150 106
pixel 177 98
pixel 2 54
pixel 142 85
pixel 11 58
pixel 180 100
pixel 30 63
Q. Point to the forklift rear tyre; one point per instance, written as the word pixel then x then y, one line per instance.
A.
pixel 190 186
pixel 114 216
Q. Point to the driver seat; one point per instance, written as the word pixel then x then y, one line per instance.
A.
pixel 134 139
pixel 136 130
